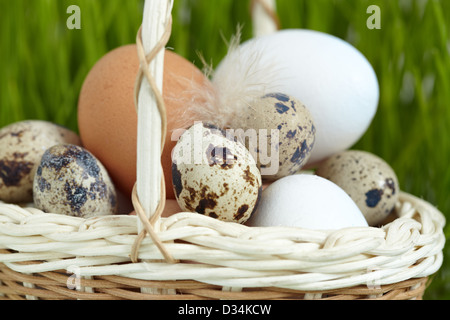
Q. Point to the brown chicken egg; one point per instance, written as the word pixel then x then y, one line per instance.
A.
pixel 107 116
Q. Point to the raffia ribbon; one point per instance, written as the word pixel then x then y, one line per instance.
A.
pixel 144 73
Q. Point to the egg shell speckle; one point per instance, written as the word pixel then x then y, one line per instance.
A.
pixel 215 175
pixel 306 201
pixel 22 145
pixel 368 180
pixel 296 134
pixel 70 180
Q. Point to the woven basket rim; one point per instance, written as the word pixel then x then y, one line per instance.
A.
pixel 408 248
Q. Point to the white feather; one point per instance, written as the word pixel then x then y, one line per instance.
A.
pixel 223 101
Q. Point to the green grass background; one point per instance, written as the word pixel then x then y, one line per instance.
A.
pixel 43 65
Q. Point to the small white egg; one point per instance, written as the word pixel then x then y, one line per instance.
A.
pixel 70 180
pixel 22 145
pixel 330 76
pixel 309 202
pixel 215 175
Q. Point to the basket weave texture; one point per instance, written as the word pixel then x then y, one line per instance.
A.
pixel 50 256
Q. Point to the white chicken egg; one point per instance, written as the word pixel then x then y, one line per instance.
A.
pixel 215 175
pixel 327 74
pixel 309 202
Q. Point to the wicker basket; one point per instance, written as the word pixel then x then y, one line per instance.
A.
pixel 191 256
pixel 217 260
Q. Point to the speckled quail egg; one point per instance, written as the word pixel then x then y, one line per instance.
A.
pixel 368 180
pixel 70 180
pixel 22 145
pixel 285 134
pixel 215 175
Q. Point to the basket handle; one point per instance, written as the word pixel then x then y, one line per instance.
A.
pixel 149 191
pixel 149 195
pixel 265 17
